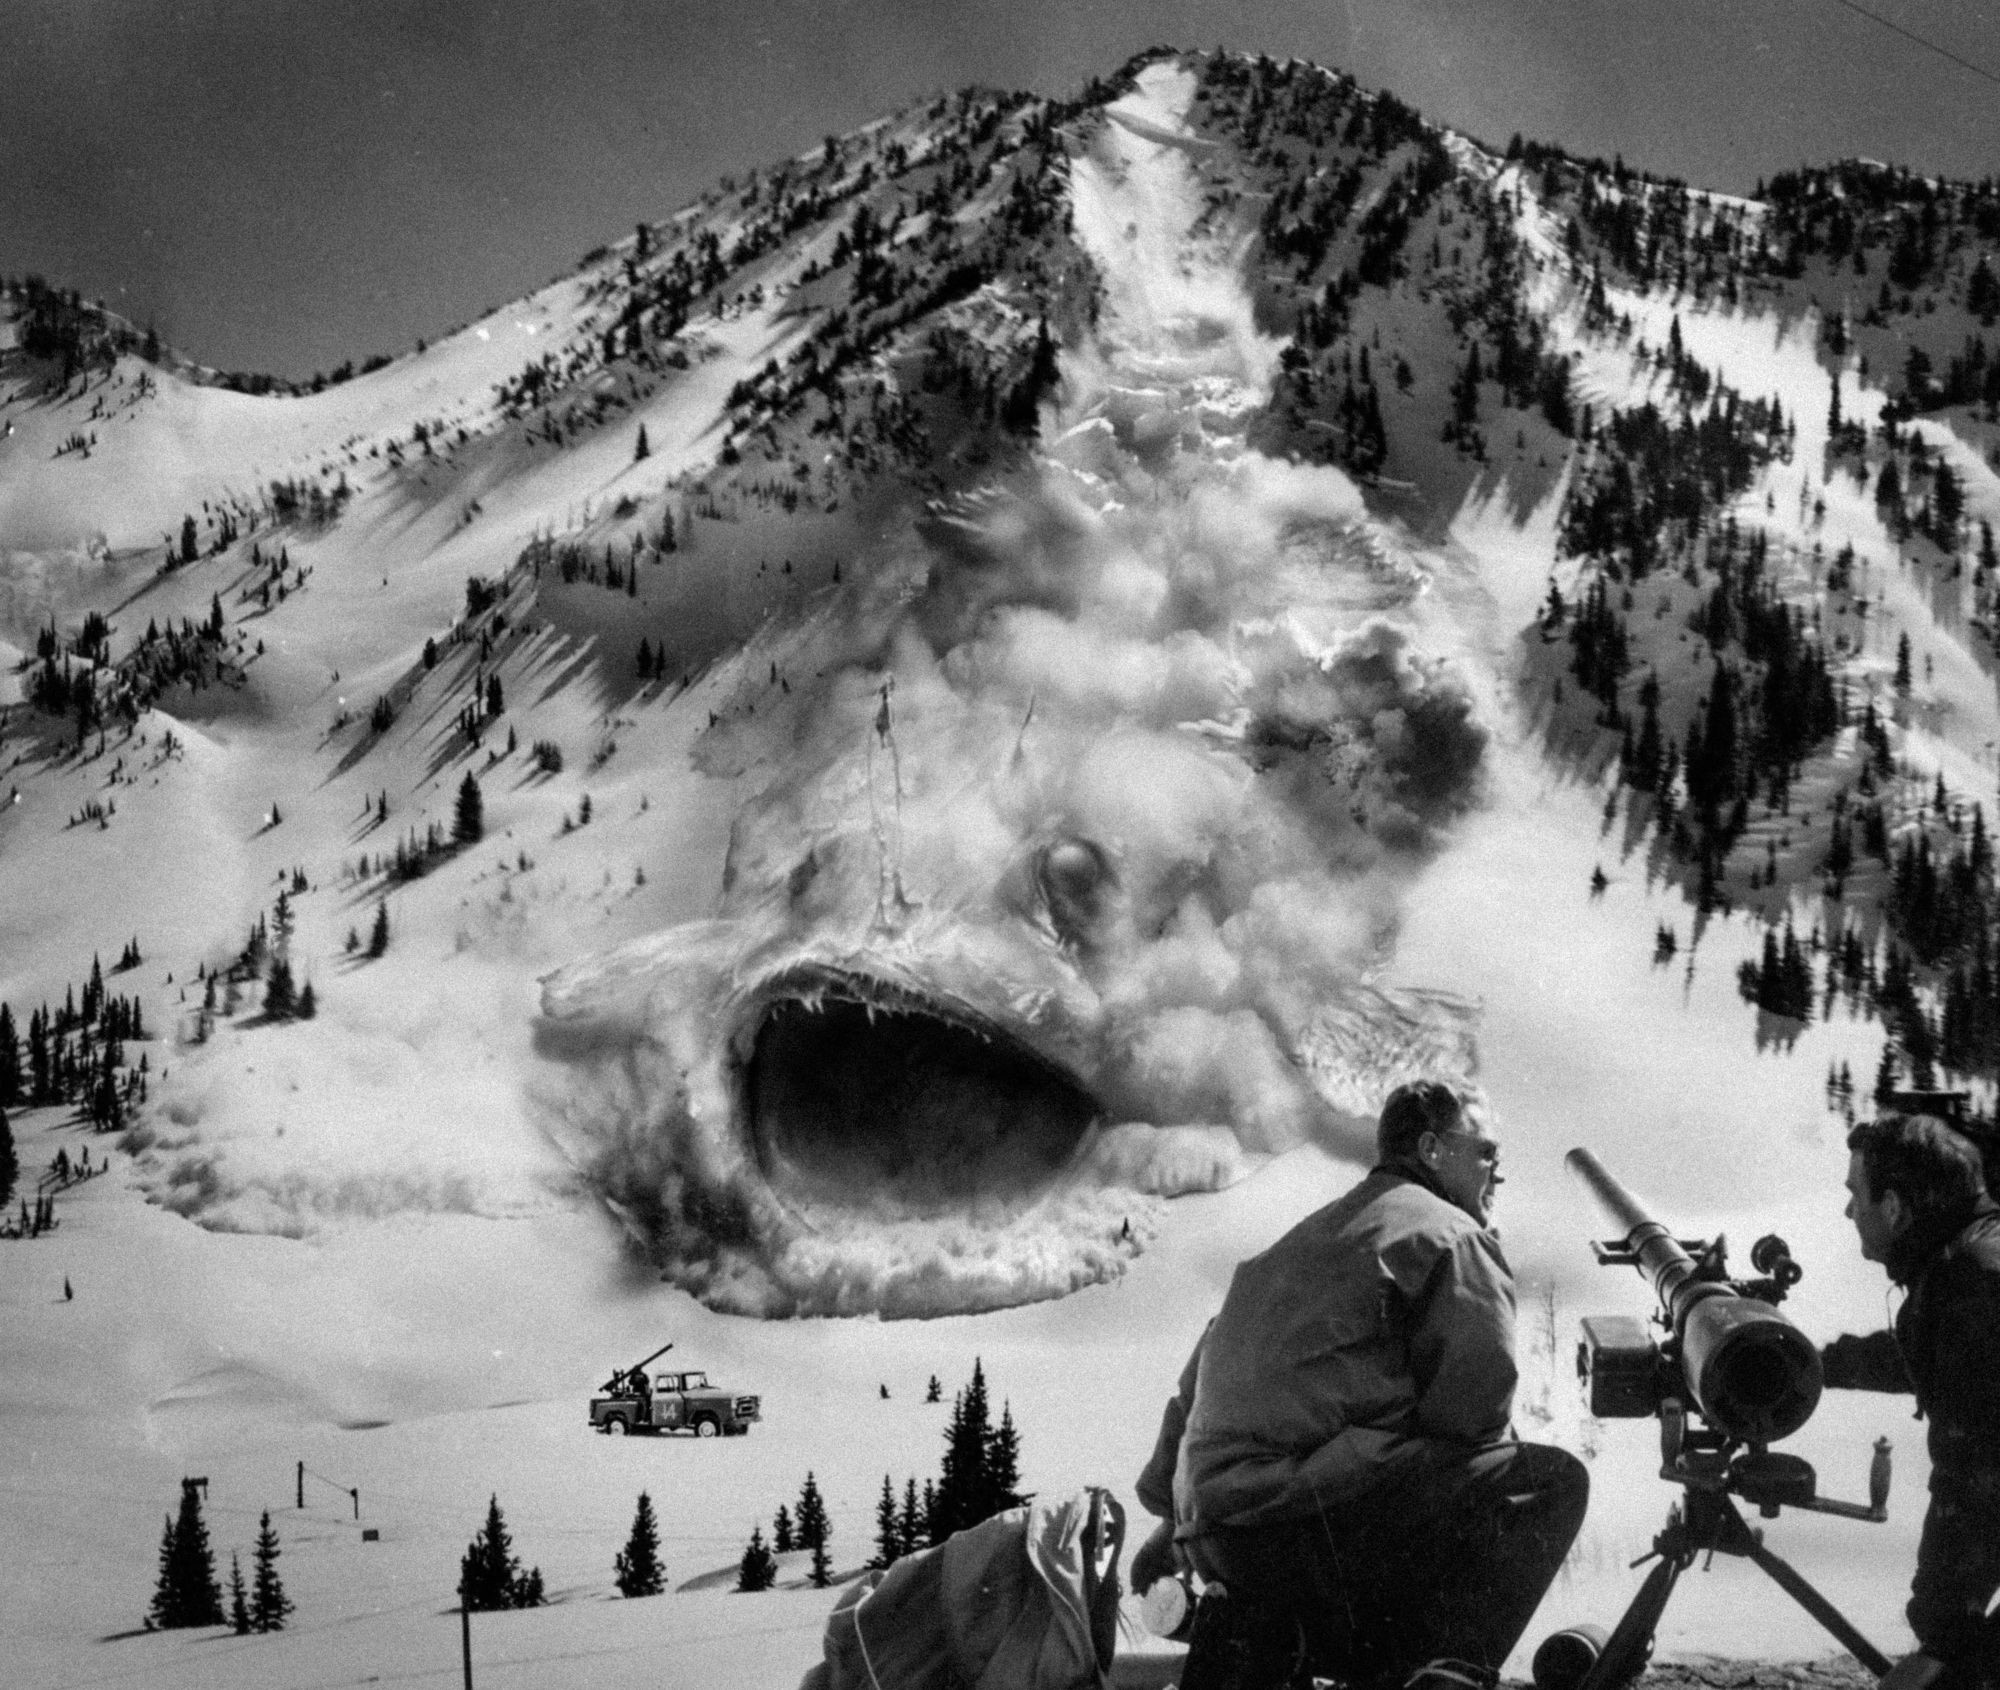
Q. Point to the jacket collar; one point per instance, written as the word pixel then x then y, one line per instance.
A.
pixel 1924 1244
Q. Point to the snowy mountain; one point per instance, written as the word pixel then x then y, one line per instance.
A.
pixel 927 737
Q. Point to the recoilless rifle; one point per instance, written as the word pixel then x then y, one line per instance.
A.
pixel 1731 1377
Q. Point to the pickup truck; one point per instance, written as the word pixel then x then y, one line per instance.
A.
pixel 630 1401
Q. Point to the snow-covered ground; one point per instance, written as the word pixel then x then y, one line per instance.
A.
pixel 427 1300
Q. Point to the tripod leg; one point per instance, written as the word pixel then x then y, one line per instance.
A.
pixel 1626 1652
pixel 1794 1585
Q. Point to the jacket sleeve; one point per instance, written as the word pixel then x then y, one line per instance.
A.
pixel 1156 1481
pixel 1868 1362
pixel 1462 1343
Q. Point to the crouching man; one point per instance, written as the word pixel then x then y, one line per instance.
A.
pixel 1917 1196
pixel 1338 1458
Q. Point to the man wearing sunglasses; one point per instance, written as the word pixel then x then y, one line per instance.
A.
pixel 1338 1464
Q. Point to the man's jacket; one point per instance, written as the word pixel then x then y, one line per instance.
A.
pixel 1949 1333
pixel 1376 1328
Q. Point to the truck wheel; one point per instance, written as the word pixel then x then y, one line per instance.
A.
pixel 615 1426
pixel 706 1426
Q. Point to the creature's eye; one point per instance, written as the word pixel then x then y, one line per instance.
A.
pixel 1077 881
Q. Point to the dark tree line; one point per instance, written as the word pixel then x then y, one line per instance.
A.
pixel 978 1478
pixel 75 1054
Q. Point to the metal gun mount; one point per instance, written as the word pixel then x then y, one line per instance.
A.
pixel 1751 1377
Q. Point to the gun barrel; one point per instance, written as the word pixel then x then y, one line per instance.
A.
pixel 1749 1369
pixel 1656 1252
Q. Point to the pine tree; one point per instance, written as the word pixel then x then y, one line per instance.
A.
pixel 821 1567
pixel 187 1593
pixel 888 1533
pixel 1003 1467
pixel 239 1608
pixel 934 1392
pixel 489 1575
pixel 642 451
pixel 1903 664
pixel 468 819
pixel 378 937
pixel 10 1059
pixel 910 1532
pixel 758 1570
pixel 164 1608
pixel 781 1531
pixel 496 700
pixel 637 1565
pixel 308 1004
pixel 268 1602
pixel 962 1482
pixel 280 999
pixel 813 1527
pixel 10 1164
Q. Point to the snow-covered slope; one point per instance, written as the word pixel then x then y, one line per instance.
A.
pixel 404 1276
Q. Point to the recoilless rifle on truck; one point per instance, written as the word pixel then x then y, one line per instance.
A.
pixel 632 1400
pixel 1731 1377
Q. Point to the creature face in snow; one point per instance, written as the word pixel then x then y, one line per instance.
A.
pixel 1082 826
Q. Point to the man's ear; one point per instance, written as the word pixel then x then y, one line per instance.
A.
pixel 1897 1213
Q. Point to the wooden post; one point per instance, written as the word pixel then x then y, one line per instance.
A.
pixel 302 1485
pixel 356 1494
pixel 465 1636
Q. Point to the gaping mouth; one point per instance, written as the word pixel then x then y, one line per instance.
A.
pixel 867 1097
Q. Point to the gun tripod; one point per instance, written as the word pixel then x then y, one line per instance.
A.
pixel 1706 1520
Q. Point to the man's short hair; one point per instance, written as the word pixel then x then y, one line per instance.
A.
pixel 1935 1169
pixel 1422 1106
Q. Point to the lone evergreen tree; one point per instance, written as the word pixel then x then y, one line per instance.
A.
pixel 280 1000
pixel 1003 1466
pixel 268 1602
pixel 981 1463
pixel 642 451
pixel 489 1575
pixel 813 1528
pixel 637 1565
pixel 187 1593
pixel 378 937
pixel 308 1004
pixel 888 1533
pixel 468 819
pixel 781 1531
pixel 758 1570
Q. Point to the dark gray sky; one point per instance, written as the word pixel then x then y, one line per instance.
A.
pixel 282 184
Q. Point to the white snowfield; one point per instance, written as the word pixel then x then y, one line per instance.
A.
pixel 415 1299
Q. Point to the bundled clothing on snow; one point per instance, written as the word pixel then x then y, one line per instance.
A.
pixel 1026 1600
pixel 1339 1450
